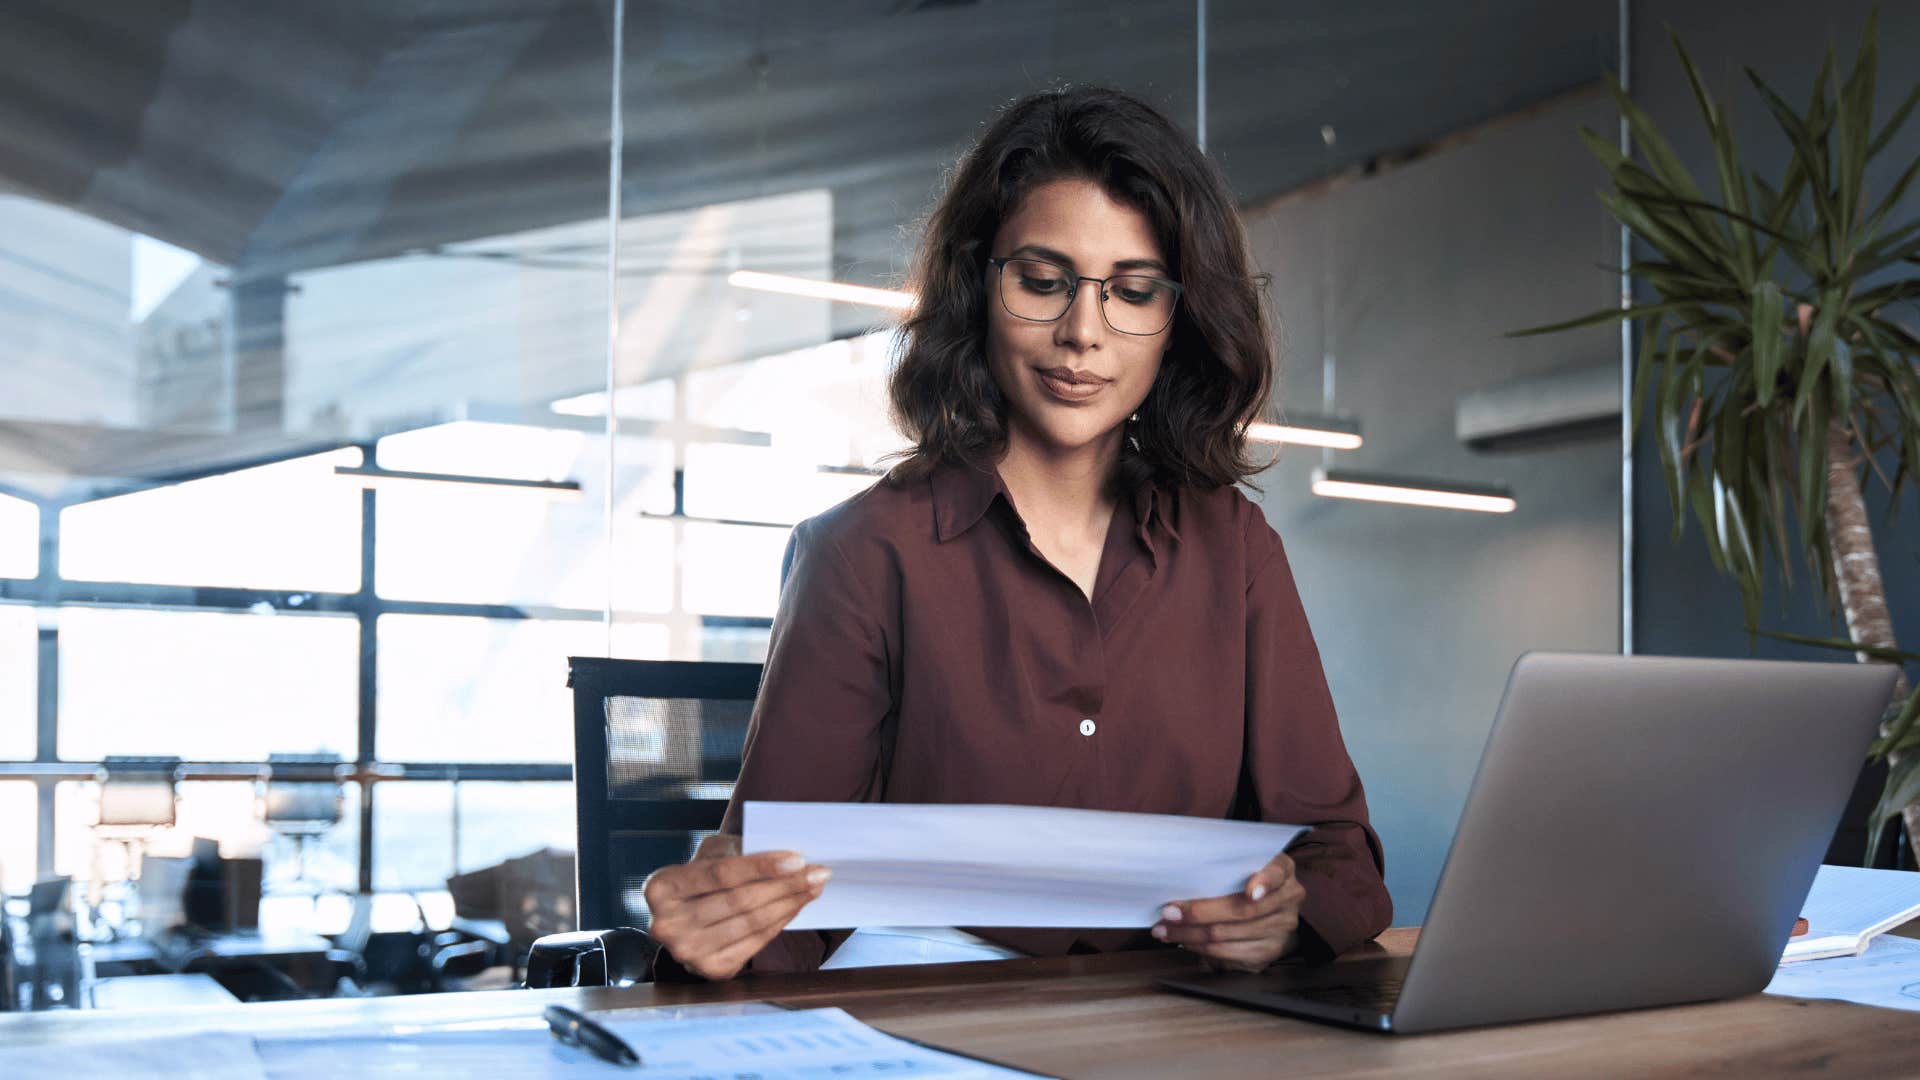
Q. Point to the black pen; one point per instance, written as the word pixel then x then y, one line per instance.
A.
pixel 575 1029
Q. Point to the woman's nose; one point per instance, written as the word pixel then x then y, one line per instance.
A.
pixel 1084 322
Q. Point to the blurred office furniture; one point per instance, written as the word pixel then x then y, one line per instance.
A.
pixel 519 900
pixel 200 916
pixel 222 894
pixel 656 749
pixel 278 964
pixel 300 801
pixel 58 964
pixel 160 992
pixel 163 893
pixel 9 959
pixel 137 799
pixel 420 959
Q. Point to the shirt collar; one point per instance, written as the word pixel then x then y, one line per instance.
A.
pixel 962 495
pixel 1153 508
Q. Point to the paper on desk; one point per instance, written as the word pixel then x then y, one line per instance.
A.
pixel 765 1043
pixel 214 1056
pixel 909 864
pixel 1887 975
pixel 1848 904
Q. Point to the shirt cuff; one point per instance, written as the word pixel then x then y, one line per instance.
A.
pixel 1346 904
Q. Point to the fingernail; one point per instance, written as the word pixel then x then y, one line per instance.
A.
pixel 1160 931
pixel 790 864
pixel 818 875
pixel 1257 891
pixel 1171 913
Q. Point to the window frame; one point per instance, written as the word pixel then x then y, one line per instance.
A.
pixel 49 590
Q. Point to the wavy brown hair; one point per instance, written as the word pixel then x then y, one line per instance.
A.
pixel 1218 371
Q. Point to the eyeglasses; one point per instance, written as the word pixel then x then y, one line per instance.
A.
pixel 1041 291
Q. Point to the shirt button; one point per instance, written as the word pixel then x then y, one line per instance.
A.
pixel 1086 727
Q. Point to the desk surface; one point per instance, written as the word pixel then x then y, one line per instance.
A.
pixel 1101 1016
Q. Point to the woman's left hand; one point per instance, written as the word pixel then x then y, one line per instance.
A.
pixel 1245 931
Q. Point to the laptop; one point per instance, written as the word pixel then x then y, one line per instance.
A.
pixel 1641 831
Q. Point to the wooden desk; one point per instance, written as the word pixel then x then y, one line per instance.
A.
pixel 1101 1016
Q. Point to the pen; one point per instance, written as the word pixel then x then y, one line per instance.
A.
pixel 575 1029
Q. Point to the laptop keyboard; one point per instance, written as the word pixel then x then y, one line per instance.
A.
pixel 1378 996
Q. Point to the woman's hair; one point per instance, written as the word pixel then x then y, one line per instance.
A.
pixel 1218 372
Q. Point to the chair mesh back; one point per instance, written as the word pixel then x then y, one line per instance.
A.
pixel 661 748
pixel 667 749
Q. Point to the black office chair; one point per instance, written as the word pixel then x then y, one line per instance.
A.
pixel 656 749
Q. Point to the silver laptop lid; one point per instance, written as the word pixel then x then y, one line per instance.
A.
pixel 1641 831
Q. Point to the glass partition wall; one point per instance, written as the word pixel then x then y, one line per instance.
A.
pixel 311 323
pixel 291 300
pixel 360 362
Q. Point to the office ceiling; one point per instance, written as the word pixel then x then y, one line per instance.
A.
pixel 286 135
pixel 273 137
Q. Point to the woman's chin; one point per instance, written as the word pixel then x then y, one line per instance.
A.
pixel 1071 434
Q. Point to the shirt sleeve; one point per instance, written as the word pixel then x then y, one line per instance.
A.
pixel 822 712
pixel 1298 765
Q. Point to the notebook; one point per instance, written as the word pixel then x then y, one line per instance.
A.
pixel 1849 906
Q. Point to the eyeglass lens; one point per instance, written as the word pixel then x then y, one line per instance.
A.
pixel 1042 292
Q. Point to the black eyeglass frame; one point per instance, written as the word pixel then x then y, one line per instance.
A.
pixel 999 264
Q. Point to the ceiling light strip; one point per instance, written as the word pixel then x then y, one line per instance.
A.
pixel 1410 491
pixel 1328 433
pixel 820 290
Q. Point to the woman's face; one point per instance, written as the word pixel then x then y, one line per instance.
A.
pixel 1072 382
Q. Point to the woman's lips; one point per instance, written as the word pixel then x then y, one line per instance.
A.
pixel 1060 383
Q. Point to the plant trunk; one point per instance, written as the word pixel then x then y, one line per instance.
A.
pixel 1856 569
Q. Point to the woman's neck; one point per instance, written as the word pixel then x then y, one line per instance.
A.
pixel 1061 491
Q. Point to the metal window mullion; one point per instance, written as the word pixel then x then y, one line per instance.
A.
pixel 46 741
pixel 367 608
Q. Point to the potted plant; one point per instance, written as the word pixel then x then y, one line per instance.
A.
pixel 1780 376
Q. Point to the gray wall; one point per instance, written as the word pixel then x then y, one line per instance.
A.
pixel 1421 613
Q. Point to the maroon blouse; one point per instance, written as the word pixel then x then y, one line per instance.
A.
pixel 926 652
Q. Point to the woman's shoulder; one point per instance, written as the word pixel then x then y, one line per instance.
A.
pixel 1224 519
pixel 883 516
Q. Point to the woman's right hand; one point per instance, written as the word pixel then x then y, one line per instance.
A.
pixel 716 912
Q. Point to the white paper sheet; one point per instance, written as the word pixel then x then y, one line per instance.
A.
pixel 215 1056
pixel 1887 975
pixel 910 864
pixel 766 1043
pixel 1848 903
pixel 522 1046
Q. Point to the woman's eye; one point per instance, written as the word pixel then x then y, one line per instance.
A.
pixel 1042 284
pixel 1138 295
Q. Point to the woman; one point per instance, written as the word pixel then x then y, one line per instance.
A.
pixel 1059 597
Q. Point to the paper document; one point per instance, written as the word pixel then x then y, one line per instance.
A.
pixel 1887 975
pixel 215 1056
pixel 909 864
pixel 1848 905
pixel 762 1042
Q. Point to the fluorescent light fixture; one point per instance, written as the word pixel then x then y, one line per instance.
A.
pixel 1411 491
pixel 372 476
pixel 820 290
pixel 1333 433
